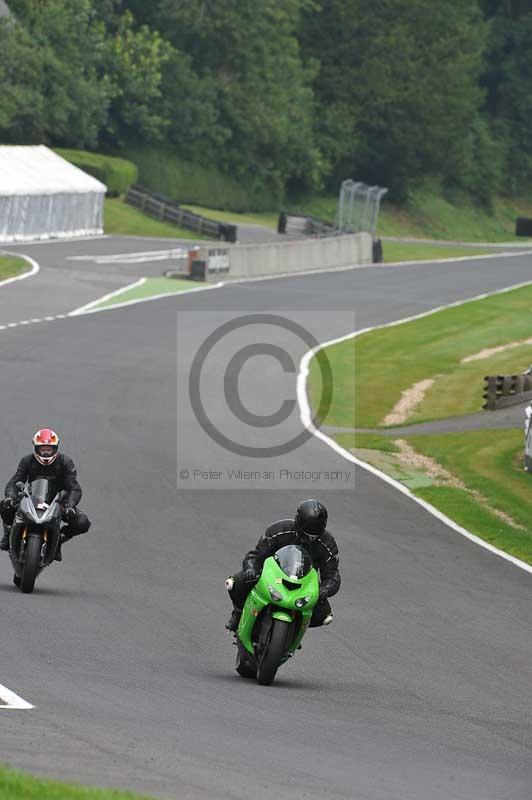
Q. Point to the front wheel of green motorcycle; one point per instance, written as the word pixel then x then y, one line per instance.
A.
pixel 244 668
pixel 275 651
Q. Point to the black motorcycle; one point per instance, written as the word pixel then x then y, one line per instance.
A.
pixel 36 531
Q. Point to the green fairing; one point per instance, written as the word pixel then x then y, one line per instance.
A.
pixel 284 609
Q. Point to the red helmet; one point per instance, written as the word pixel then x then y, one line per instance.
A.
pixel 45 446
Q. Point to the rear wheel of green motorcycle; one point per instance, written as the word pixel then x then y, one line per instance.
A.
pixel 31 564
pixel 275 651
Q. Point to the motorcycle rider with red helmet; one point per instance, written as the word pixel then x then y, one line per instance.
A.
pixel 46 462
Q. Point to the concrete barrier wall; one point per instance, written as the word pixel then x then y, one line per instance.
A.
pixel 284 258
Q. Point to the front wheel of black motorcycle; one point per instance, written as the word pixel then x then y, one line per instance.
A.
pixel 275 651
pixel 31 564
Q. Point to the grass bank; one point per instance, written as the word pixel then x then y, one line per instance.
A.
pixel 164 172
pixel 429 215
pixel 476 478
pixel 122 219
pixel 17 786
pixel 372 370
pixel 266 219
pixel 11 266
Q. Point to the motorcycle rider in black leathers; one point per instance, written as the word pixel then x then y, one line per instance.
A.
pixel 308 529
pixel 46 462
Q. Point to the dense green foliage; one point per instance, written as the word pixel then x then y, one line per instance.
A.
pixel 398 85
pixel 117 173
pixel 281 96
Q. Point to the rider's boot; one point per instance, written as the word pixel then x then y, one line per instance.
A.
pixel 63 537
pixel 234 620
pixel 58 553
pixel 4 543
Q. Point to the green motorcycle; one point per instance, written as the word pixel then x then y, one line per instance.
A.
pixel 276 613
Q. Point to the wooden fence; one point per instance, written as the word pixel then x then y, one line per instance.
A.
pixel 168 210
pixel 501 391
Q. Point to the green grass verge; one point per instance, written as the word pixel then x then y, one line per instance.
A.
pixel 487 462
pixel 266 219
pixel 406 251
pixel 372 370
pixel 17 786
pixel 11 266
pixel 117 173
pixel 152 287
pixel 121 218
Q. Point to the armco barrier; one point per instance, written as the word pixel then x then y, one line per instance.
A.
pixel 164 208
pixel 300 225
pixel 285 258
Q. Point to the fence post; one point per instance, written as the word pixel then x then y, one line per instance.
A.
pixel 490 392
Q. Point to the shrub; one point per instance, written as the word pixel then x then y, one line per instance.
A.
pixel 117 173
pixel 162 171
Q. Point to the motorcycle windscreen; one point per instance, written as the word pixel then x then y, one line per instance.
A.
pixel 294 561
pixel 42 490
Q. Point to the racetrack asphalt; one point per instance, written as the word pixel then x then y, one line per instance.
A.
pixel 419 690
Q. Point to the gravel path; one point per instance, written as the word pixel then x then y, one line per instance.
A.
pixel 485 420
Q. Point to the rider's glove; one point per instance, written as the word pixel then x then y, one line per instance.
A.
pixel 248 575
pixel 324 593
pixel 9 503
pixel 69 514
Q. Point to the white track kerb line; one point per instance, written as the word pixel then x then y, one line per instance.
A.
pixel 12 702
pixel 306 418
pixel 35 268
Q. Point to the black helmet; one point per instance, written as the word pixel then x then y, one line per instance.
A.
pixel 311 518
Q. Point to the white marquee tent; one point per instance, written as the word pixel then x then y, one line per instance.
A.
pixel 42 196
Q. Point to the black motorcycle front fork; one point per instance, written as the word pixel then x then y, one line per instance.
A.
pixel 44 547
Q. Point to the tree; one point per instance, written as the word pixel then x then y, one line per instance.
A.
pixel 49 57
pixel 398 85
pixel 508 79
pixel 75 78
pixel 135 62
pixel 245 58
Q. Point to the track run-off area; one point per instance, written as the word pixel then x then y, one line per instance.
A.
pixel 421 686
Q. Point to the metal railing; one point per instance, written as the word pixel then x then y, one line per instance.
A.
pixel 164 208
pixel 358 207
